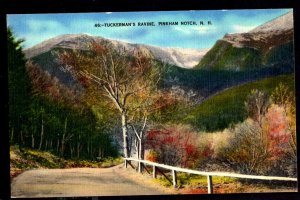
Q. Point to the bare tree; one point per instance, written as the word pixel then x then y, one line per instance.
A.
pixel 257 104
pixel 119 77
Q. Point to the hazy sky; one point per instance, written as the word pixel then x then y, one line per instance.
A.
pixel 35 28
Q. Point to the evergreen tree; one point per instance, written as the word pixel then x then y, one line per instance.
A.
pixel 19 88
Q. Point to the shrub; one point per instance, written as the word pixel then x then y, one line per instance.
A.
pixel 281 135
pixel 265 143
pixel 176 146
pixel 247 150
pixel 151 155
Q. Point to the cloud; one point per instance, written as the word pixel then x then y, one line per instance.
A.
pixel 242 28
pixel 199 30
pixel 36 25
pixel 37 30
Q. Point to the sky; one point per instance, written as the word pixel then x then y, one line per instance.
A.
pixel 35 28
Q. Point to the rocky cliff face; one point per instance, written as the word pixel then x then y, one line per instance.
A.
pixel 254 49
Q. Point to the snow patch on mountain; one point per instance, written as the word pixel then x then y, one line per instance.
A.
pixel 266 34
pixel 182 57
pixel 281 23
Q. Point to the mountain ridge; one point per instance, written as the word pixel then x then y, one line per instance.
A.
pixel 182 57
pixel 254 49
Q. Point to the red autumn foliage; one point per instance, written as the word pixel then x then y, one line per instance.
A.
pixel 44 83
pixel 84 81
pixel 98 49
pixel 277 132
pixel 173 146
pixel 163 100
pixel 208 150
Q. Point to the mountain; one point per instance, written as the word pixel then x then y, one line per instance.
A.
pixel 268 45
pixel 182 57
pixel 266 50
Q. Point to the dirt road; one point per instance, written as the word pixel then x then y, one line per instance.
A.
pixel 113 181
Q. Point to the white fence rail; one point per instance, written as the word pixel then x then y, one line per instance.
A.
pixel 209 175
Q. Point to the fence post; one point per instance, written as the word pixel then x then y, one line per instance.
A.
pixel 140 167
pixel 154 171
pixel 209 184
pixel 174 178
pixel 125 163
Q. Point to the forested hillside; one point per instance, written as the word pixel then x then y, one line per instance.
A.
pixel 227 107
pixel 40 118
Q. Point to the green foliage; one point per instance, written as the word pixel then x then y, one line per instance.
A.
pixel 265 142
pixel 26 158
pixel 42 121
pixel 224 55
pixel 207 82
pixel 191 180
pixel 107 162
pixel 227 107
pixel 44 159
pixel 281 55
pixel 283 95
pixel 19 87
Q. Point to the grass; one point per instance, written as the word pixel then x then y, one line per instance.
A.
pixel 193 181
pixel 195 184
pixel 22 159
pixel 227 107
pixel 107 162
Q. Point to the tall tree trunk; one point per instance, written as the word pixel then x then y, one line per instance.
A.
pixel 21 137
pixel 71 149
pixel 12 135
pixel 125 135
pixel 63 139
pixel 46 145
pixel 32 140
pixel 100 152
pixel 57 146
pixel 141 150
pixel 91 150
pixel 136 144
pixel 78 146
pixel 78 149
pixel 139 140
pixel 88 147
pixel 42 134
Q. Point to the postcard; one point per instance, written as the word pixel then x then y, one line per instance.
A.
pixel 152 103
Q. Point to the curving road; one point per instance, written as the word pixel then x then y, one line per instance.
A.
pixel 114 181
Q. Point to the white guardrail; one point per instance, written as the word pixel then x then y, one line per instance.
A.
pixel 209 175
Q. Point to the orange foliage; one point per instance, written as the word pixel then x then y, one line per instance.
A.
pixel 151 156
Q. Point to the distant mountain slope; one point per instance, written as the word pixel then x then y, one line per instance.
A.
pixel 227 107
pixel 270 44
pixel 182 57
